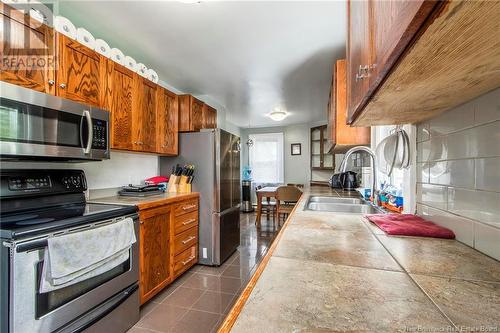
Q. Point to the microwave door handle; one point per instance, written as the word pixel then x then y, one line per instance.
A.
pixel 87 149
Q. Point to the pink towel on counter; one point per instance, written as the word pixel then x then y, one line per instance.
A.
pixel 409 225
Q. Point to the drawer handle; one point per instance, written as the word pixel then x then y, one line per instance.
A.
pixel 187 240
pixel 188 207
pixel 189 222
pixel 184 263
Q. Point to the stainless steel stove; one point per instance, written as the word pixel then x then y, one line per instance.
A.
pixel 36 205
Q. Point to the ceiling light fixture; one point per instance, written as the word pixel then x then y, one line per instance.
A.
pixel 278 115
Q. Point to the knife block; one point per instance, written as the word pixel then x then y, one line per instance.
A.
pixel 175 185
pixel 184 188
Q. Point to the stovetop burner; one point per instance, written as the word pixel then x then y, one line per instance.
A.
pixel 17 224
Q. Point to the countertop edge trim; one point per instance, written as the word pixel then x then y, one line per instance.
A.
pixel 235 311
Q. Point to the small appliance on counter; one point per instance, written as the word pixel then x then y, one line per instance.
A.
pixel 346 181
pixel 181 179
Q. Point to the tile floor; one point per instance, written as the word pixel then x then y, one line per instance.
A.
pixel 200 299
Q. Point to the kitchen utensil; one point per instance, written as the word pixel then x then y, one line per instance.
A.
pixel 393 152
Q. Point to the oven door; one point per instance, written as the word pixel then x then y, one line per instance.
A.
pixel 37 125
pixel 46 312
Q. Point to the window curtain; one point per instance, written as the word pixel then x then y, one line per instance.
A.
pixel 266 158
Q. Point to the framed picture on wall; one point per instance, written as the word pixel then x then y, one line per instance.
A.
pixel 296 149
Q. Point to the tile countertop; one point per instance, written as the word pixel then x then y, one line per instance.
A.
pixel 146 202
pixel 333 272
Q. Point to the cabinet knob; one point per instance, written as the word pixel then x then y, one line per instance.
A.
pixel 51 82
pixel 62 86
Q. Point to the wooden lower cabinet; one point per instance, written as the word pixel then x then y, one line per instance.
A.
pixel 168 244
pixel 184 260
pixel 154 251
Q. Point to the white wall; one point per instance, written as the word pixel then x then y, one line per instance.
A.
pixel 121 169
pixel 297 167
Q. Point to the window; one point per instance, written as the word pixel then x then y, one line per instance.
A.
pixel 266 157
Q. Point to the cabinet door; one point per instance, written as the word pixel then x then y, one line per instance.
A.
pixel 27 51
pixel 209 117
pixel 395 23
pixel 185 113
pixel 167 122
pixel 197 114
pixel 154 251
pixel 144 115
pixel 346 135
pixel 81 72
pixel 331 110
pixel 359 53
pixel 119 101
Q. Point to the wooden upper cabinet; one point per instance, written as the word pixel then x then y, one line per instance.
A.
pixel 81 72
pixel 359 52
pixel 154 251
pixel 378 34
pixel 167 115
pixel 190 114
pixel 119 95
pixel 27 51
pixel 144 115
pixel 209 117
pixel 343 136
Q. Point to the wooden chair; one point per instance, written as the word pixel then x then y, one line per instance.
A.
pixel 269 206
pixel 286 198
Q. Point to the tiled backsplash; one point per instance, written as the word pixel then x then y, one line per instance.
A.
pixel 458 172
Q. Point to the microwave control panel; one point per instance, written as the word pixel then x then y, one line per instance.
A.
pixel 100 138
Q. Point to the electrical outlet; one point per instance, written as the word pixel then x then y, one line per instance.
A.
pixel 205 253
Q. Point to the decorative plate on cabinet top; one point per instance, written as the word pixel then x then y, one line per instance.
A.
pixel 64 26
pixel 102 47
pixel 85 38
pixel 152 76
pixel 130 63
pixel 142 69
pixel 117 56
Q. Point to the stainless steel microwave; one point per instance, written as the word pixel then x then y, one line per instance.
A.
pixel 34 125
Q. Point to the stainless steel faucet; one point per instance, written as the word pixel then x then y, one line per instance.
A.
pixel 343 164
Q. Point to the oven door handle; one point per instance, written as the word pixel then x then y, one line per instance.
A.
pixel 81 325
pixel 86 114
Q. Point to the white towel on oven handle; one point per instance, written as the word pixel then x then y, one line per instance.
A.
pixel 73 257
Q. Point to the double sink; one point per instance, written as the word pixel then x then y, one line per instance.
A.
pixel 340 205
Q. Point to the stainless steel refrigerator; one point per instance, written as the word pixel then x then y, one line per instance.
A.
pixel 216 156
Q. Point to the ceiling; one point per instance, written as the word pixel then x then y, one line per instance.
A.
pixel 249 57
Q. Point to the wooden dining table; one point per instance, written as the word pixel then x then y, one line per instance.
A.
pixel 267 192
